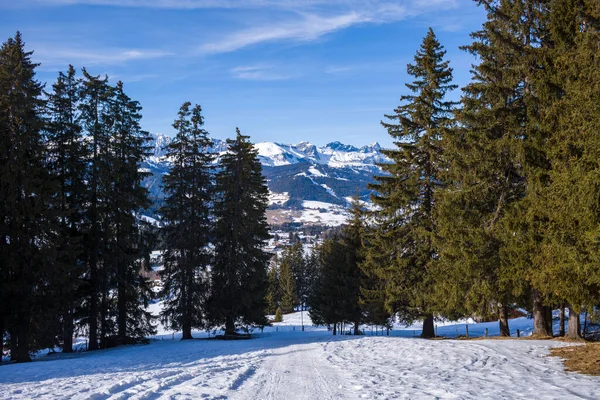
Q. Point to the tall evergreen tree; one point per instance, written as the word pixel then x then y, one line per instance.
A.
pixel 294 256
pixel 239 271
pixel 274 292
pixel 327 300
pixel 354 240
pixel 188 228
pixel 26 190
pixel 94 108
pixel 402 251
pixel 128 149
pixel 289 292
pixel 567 265
pixel 488 232
pixel 68 164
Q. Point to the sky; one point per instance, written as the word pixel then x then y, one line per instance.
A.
pixel 280 70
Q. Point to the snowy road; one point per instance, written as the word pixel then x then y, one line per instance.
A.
pixel 304 365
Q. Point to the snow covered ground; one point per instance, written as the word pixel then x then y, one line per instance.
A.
pixel 285 363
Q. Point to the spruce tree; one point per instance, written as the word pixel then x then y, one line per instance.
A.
pixel 274 292
pixel 567 265
pixel 402 251
pixel 354 240
pixel 188 228
pixel 67 163
pixel 293 256
pixel 327 304
pixel 26 190
pixel 239 271
pixel 289 292
pixel 128 149
pixel 94 108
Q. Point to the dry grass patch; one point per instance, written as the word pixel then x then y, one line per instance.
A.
pixel 583 359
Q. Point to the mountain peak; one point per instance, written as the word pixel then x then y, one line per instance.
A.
pixel 339 146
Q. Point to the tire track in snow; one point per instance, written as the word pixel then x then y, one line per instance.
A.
pixel 296 371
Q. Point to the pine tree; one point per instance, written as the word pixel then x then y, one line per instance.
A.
pixel 274 292
pixel 27 223
pixel 68 157
pixel 94 109
pixel 354 240
pixel 294 257
pixel 187 230
pixel 128 149
pixel 567 265
pixel 239 272
pixel 327 302
pixel 289 292
pixel 402 250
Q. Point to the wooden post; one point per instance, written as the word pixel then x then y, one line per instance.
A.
pixel 486 332
pixel 518 333
pixel 467 329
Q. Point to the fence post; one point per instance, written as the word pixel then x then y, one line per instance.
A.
pixel 518 333
pixel 486 332
pixel 467 327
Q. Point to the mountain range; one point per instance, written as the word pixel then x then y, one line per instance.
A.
pixel 308 184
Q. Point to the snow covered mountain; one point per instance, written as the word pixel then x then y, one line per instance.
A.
pixel 308 184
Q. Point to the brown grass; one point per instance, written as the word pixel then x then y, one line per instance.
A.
pixel 583 359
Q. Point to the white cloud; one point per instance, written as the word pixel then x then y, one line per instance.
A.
pixel 195 4
pixel 281 20
pixel 309 27
pixel 52 56
pixel 259 73
pixel 305 26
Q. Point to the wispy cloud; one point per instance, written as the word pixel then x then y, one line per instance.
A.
pixel 310 27
pixel 259 73
pixel 281 20
pixel 52 56
pixel 191 4
pixel 306 26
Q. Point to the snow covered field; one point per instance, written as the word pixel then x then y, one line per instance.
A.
pixel 284 364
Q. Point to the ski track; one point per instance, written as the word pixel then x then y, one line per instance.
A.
pixel 304 365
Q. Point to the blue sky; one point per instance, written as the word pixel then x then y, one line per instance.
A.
pixel 281 70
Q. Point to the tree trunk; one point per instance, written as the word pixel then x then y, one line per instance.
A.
pixel 229 326
pixel 1 337
pixel 186 328
pixel 93 316
pixel 549 328
pixel 574 328
pixel 540 326
pixel 121 305
pixel 503 321
pixel 103 319
pixel 23 343
pixel 68 330
pixel 334 329
pixel 14 345
pixel 356 330
pixel 428 327
pixel 561 331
